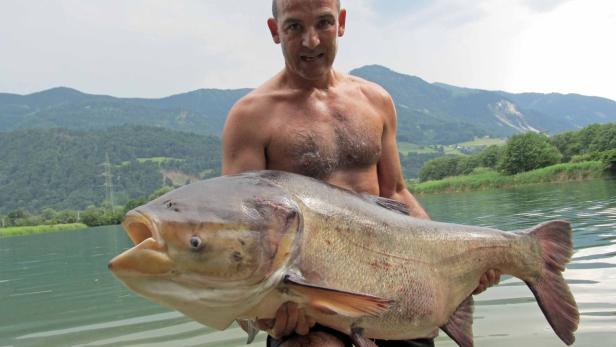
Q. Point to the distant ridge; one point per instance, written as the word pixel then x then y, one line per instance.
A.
pixel 428 113
pixel 493 113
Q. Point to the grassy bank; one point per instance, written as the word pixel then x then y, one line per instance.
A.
pixel 35 229
pixel 489 179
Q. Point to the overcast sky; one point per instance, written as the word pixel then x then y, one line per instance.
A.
pixel 154 48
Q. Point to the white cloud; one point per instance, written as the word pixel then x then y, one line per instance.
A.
pixel 137 48
pixel 570 50
pixel 154 48
pixel 543 5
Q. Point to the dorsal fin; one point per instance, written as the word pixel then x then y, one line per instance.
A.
pixel 389 204
pixel 460 325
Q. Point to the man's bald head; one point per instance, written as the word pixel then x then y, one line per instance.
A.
pixel 275 7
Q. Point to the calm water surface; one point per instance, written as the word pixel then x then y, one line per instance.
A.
pixel 55 289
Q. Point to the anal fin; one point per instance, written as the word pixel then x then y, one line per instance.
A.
pixel 334 301
pixel 250 327
pixel 460 325
pixel 359 340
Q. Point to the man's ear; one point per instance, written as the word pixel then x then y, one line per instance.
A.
pixel 341 22
pixel 273 27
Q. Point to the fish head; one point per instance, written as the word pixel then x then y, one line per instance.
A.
pixel 221 243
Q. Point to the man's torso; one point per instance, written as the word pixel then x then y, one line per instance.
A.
pixel 334 136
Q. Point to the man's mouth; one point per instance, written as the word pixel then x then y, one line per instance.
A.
pixel 311 57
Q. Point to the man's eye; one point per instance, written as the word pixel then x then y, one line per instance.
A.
pixel 294 27
pixel 324 23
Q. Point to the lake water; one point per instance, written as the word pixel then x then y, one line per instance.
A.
pixel 55 289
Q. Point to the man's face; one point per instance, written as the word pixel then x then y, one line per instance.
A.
pixel 307 31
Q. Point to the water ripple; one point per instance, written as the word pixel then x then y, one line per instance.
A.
pixel 106 325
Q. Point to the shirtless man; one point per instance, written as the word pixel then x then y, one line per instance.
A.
pixel 313 120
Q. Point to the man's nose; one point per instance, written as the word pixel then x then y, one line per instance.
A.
pixel 311 38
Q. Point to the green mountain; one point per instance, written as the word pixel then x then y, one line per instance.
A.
pixel 481 112
pixel 64 169
pixel 572 110
pixel 202 111
pixel 429 113
pixel 54 143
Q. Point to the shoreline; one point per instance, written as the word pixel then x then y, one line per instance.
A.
pixel 38 229
pixel 486 179
pixel 483 179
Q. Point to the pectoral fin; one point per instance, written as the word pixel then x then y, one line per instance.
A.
pixel 334 301
pixel 460 325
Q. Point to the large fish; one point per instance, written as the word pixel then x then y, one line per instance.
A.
pixel 237 247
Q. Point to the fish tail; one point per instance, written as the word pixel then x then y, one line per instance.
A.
pixel 550 289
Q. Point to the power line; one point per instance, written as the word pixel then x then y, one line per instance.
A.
pixel 108 181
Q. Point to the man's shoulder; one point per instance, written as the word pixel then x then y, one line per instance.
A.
pixel 252 104
pixel 260 98
pixel 373 91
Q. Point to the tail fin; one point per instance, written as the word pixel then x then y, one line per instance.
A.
pixel 551 290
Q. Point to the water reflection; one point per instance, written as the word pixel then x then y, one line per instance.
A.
pixel 590 207
pixel 55 289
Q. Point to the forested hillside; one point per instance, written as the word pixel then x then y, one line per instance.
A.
pixel 436 113
pixel 201 111
pixel 63 169
pixel 428 113
pixel 44 166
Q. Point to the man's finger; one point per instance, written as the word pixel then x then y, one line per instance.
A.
pixel 302 324
pixel 280 322
pixel 265 324
pixel 292 313
pixel 310 321
pixel 491 276
pixel 497 277
pixel 483 284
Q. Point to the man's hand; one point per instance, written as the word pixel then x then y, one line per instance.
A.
pixel 488 279
pixel 289 318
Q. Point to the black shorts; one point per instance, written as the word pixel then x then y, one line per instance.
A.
pixel 271 342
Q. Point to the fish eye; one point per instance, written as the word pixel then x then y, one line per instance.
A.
pixel 195 242
pixel 171 205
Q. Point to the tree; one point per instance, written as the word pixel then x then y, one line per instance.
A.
pixel 465 165
pixel 439 168
pixel 48 215
pixel 160 191
pixel 131 204
pixel 609 160
pixel 568 145
pixel 605 139
pixel 529 151
pixel 490 156
pixel 15 216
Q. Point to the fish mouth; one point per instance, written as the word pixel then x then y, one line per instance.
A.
pixel 140 227
pixel 148 257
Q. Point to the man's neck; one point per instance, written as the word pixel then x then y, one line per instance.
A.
pixel 294 81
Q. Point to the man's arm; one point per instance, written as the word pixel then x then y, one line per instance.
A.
pixel 391 181
pixel 392 185
pixel 243 139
